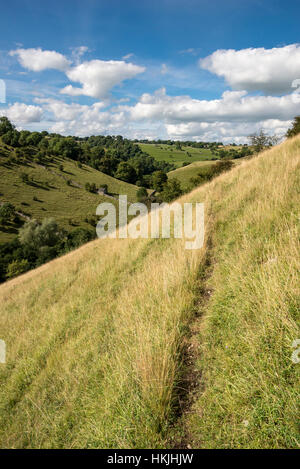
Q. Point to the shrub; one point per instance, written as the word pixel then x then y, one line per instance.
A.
pixel 295 130
pixel 25 178
pixel 7 212
pixel 17 267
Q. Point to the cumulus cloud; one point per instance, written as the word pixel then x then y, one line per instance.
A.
pixel 269 70
pixel 21 113
pixel 97 77
pixel 233 106
pixel 38 59
pixel 230 118
pixel 78 52
pixel 65 112
pixel 225 132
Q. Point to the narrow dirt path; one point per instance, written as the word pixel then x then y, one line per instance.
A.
pixel 191 383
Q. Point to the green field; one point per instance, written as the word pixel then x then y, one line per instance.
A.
pixel 185 173
pixel 163 152
pixel 54 197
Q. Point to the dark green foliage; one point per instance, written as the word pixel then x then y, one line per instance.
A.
pixel 91 187
pixel 17 267
pixel 126 172
pixel 7 212
pixel 158 179
pixel 171 190
pixel 142 194
pixel 39 243
pixel 78 237
pixel 34 235
pixel 209 173
pixel 25 178
pixel 5 126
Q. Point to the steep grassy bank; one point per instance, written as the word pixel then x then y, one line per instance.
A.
pixel 95 338
pixel 251 386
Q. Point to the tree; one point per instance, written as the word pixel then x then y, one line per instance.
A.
pixel 126 172
pixel 34 235
pixel 261 140
pixel 295 130
pixel 172 190
pixel 158 179
pixel 142 194
pixel 25 178
pixel 7 212
pixel 78 237
pixel 221 167
pixel 90 187
pixel 5 126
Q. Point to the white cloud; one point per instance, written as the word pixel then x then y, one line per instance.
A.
pixel 38 59
pixel 268 70
pixel 64 112
pixel 127 56
pixel 225 132
pixel 98 77
pixel 190 51
pixel 230 118
pixel 78 52
pixel 21 113
pixel 234 106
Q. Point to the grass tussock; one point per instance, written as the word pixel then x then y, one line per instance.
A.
pixel 94 339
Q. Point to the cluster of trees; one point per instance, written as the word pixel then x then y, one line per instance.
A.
pixel 7 213
pixel 260 141
pixel 38 243
pixel 178 144
pixel 166 189
pixel 232 153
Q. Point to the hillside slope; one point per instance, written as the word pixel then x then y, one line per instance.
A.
pixel 99 341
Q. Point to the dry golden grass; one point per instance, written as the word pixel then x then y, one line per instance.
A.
pixel 94 339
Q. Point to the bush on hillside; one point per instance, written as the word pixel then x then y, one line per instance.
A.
pixel 295 129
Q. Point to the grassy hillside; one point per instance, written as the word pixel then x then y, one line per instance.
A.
pixel 185 173
pixel 49 195
pixel 163 152
pixel 143 344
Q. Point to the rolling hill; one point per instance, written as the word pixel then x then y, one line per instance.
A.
pixel 139 343
pixel 185 173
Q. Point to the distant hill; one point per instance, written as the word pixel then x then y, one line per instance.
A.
pixel 172 155
pixel 184 174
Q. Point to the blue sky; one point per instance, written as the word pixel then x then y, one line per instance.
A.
pixel 189 69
